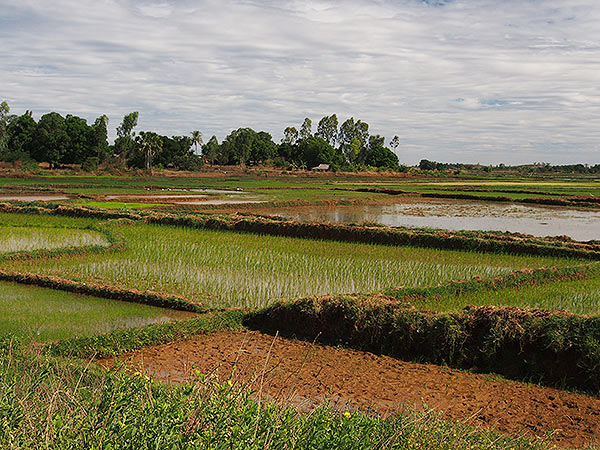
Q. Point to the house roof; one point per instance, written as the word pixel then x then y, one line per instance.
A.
pixel 321 167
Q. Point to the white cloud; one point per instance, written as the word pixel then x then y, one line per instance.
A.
pixel 527 72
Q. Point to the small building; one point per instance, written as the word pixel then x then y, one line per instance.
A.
pixel 321 168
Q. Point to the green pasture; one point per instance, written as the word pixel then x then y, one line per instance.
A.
pixel 222 268
pixel 42 315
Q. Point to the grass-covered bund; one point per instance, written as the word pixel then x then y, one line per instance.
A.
pixel 51 394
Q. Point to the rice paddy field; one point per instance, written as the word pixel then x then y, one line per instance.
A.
pixel 577 296
pixel 16 239
pixel 44 315
pixel 49 337
pixel 224 269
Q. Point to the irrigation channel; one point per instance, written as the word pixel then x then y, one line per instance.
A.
pixel 578 223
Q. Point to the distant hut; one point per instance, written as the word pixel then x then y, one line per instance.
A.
pixel 321 168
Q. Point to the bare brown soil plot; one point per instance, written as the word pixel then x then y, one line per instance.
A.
pixel 304 375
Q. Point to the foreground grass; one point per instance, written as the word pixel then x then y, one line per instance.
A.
pixel 60 405
pixel 42 315
pixel 233 269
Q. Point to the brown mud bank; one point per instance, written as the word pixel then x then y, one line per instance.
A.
pixel 304 375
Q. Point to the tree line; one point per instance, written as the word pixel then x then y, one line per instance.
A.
pixel 348 146
pixel 59 140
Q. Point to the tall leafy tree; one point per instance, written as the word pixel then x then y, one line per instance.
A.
pixel 21 134
pixel 240 143
pixel 128 124
pixel 125 144
pixel 211 150
pixel 376 141
pixel 306 129
pixel 395 142
pixel 349 132
pixel 362 132
pixel 263 147
pixel 4 137
pixel 80 138
pixel 100 136
pixel 328 129
pixel 148 143
pixel 353 151
pixel 51 139
pixel 315 151
pixel 380 156
pixel 196 140
pixel 290 136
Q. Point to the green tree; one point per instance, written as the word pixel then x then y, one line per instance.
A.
pixel 263 148
pixel 51 139
pixel 380 156
pixel 197 140
pixel 328 129
pixel 349 131
pixel 306 129
pixel 290 136
pixel 395 142
pixel 148 143
pixel 4 137
pixel 100 136
pixel 315 150
pixel 345 136
pixel 80 140
pixel 362 132
pixel 21 134
pixel 239 145
pixel 211 150
pixel 125 143
pixel 354 150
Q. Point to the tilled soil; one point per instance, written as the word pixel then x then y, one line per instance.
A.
pixel 304 374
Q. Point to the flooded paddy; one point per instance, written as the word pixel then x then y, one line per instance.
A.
pixel 30 197
pixel 579 224
pixel 207 197
pixel 43 314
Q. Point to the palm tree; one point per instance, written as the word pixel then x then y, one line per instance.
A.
pixel 196 140
pixel 150 143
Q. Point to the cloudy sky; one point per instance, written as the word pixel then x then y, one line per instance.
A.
pixel 489 81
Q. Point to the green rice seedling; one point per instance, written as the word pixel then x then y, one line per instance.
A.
pixel 235 269
pixel 44 314
pixel 576 296
pixel 37 220
pixel 18 239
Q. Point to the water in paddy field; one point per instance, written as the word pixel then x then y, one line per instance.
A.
pixel 578 223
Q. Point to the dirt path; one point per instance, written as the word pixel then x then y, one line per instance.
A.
pixel 304 374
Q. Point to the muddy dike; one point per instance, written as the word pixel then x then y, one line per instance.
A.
pixel 548 347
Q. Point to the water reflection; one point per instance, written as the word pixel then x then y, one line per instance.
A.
pixel 579 224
